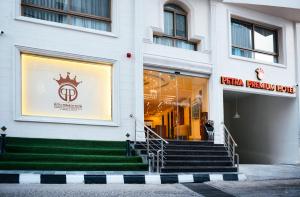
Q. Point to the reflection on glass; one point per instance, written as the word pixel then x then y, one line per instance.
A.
pixel 175 106
pixel 265 57
pixel 264 39
pixel 184 45
pixel 241 52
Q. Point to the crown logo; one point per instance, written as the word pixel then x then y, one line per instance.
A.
pixel 67 80
pixel 260 73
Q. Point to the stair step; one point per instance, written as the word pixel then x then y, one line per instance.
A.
pixel 193 156
pixel 64 150
pixel 197 157
pixel 195 147
pixel 196 152
pixel 67 158
pixel 69 166
pixel 188 142
pixel 197 163
pixel 169 169
pixel 63 142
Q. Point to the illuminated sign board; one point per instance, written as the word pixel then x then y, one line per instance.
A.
pixel 63 88
pixel 257 85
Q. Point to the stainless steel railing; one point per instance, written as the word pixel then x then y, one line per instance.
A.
pixel 154 144
pixel 231 146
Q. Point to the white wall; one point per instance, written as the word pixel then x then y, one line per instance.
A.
pixel 267 131
pixel 277 3
pixel 76 41
pixel 133 26
pixel 224 64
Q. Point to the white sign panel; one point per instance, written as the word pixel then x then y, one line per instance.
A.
pixel 62 88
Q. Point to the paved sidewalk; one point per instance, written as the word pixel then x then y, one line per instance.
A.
pixel 113 190
pixel 261 188
pixel 270 172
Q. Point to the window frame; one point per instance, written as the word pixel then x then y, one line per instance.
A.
pixel 275 54
pixel 68 13
pixel 175 37
pixel 174 13
pixel 115 102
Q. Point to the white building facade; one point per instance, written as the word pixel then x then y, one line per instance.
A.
pixel 72 71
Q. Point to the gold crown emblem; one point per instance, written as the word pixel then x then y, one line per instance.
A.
pixel 67 80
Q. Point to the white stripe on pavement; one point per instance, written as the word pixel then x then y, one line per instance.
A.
pixel 114 179
pixel 152 179
pixel 75 178
pixel 216 177
pixel 30 178
pixel 185 178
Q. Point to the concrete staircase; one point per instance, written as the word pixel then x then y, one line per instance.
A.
pixel 194 156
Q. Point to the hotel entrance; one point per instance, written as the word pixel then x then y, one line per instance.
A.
pixel 176 106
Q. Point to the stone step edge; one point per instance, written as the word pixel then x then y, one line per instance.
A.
pixel 27 178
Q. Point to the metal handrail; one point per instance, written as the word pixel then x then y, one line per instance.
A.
pixel 231 145
pixel 152 147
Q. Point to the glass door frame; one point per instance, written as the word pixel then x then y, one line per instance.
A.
pixel 177 72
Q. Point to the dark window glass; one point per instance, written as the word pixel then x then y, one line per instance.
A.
pixel 180 25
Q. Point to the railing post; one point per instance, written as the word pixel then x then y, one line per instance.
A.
pixel 135 131
pixel 157 161
pixel 228 141
pixel 233 155
pixel 238 162
pixel 150 165
pixel 147 141
pixel 162 153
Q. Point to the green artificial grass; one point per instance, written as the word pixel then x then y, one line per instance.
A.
pixel 57 154
pixel 62 142
pixel 68 166
pixel 64 150
pixel 68 158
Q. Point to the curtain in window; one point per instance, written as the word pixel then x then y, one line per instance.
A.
pixel 241 35
pixel 90 23
pixel 168 23
pixel 163 41
pixel 184 45
pixel 92 7
pixel 43 15
pixel 180 25
pixel 57 4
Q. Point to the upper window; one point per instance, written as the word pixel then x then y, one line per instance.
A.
pixel 175 28
pixel 93 14
pixel 254 41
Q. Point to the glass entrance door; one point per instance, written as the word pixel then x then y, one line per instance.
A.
pixel 175 106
